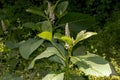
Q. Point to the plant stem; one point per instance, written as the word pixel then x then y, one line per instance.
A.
pixel 67 69
pixel 68 64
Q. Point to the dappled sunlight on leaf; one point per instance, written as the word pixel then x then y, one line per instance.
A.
pixel 82 35
pixel 54 76
pixel 92 64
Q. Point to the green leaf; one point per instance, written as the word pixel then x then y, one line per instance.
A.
pixel 32 25
pixel 67 40
pixel 29 25
pixel 12 45
pixel 36 11
pixel 61 8
pixel 53 76
pixel 9 76
pixel 46 26
pixel 57 35
pixel 47 53
pixel 54 6
pixel 92 64
pixel 61 50
pixel 77 22
pixel 1 38
pixel 60 58
pixel 57 59
pixel 79 51
pixel 82 35
pixel 29 46
pixel 45 35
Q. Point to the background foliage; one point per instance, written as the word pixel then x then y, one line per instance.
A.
pixel 101 16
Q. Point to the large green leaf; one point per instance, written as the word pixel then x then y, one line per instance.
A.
pixel 32 25
pixel 47 53
pixel 45 35
pixel 29 46
pixel 9 76
pixel 83 35
pixel 57 59
pixel 29 25
pixel 53 76
pixel 77 51
pixel 12 45
pixel 92 64
pixel 77 22
pixel 61 8
pixel 84 20
pixel 46 26
pixel 36 11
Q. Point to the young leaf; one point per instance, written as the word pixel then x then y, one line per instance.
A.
pixel 47 53
pixel 45 35
pixel 53 76
pixel 83 35
pixel 92 64
pixel 28 47
pixel 67 40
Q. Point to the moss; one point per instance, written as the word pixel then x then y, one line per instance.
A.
pixel 104 78
pixel 116 65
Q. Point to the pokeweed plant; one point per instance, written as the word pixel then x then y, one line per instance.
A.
pixel 90 64
pixel 61 52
